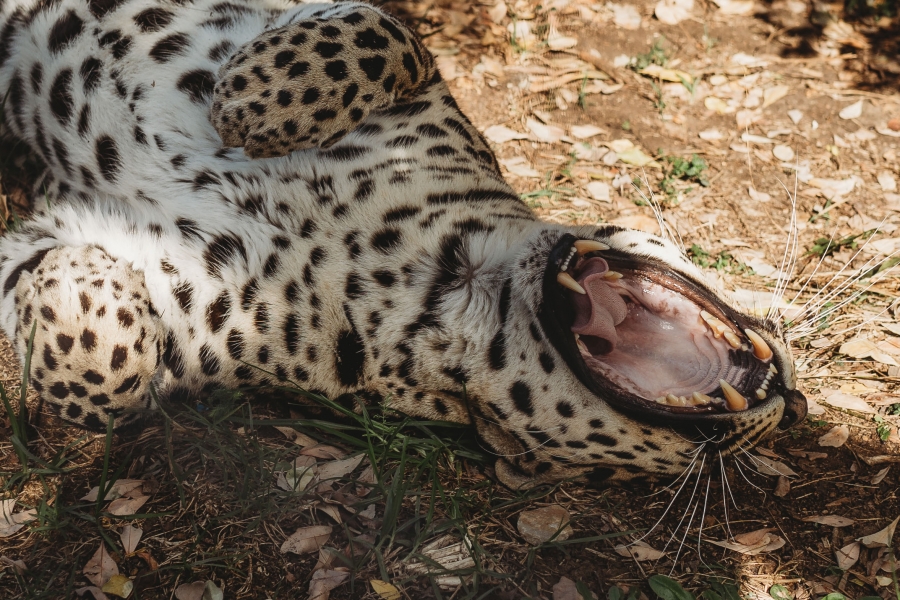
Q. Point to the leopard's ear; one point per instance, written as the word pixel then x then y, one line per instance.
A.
pixel 312 82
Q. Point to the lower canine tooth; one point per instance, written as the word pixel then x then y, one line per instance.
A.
pixel 585 246
pixel 733 340
pixel 761 349
pixel 733 398
pixel 567 281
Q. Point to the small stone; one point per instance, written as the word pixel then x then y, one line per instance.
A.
pixel 540 525
pixel 853 111
pixel 795 116
pixel 783 153
pixel 894 124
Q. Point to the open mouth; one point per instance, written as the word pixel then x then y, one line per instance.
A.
pixel 648 339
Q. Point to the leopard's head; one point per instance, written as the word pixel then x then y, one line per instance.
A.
pixel 619 361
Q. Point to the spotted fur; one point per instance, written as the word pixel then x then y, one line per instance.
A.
pixel 377 253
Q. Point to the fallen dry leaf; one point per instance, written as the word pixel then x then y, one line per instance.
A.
pixel 118 585
pixel 566 589
pixel 759 196
pixel 782 486
pixel 865 348
pixel 848 402
pixel 887 182
pixel 100 567
pixel 18 565
pixel 830 520
pixel 767 466
pixel 338 468
pixel 306 539
pixel 880 539
pixel 673 75
pixel 298 476
pixel 126 506
pixel 734 7
pixel 711 135
pixel 774 94
pixel 199 590
pixel 500 134
pixel 541 524
pixel 753 538
pixel 549 134
pixel 754 542
pixel 639 551
pixel 848 555
pixel 323 451
pixel 673 12
pixel 836 437
pixel 121 487
pixel 625 16
pixel 599 191
pixel 518 165
pixel 385 590
pixel 130 537
pixel 636 157
pixel 325 580
pixel 94 591
pixel 879 477
pixel 11 522
pixel 583 132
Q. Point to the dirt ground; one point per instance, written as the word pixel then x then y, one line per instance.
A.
pixel 747 128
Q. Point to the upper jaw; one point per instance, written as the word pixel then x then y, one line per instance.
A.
pixel 765 379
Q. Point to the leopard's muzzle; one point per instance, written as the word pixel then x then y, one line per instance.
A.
pixel 660 347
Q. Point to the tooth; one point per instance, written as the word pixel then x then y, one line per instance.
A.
pixel 717 326
pixel 673 400
pixel 699 398
pixel 585 246
pixel 764 386
pixel 661 400
pixel 761 393
pixel 612 275
pixel 733 398
pixel 568 281
pixel 761 349
pixel 773 370
pixel 733 340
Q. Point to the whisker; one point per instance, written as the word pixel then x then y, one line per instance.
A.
pixel 678 525
pixel 671 502
pixel 727 485
pixel 702 519
pixel 789 256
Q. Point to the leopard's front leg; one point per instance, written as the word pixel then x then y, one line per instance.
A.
pixel 313 81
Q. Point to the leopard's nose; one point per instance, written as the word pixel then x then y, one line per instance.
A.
pixel 794 409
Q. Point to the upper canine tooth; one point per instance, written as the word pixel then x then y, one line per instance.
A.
pixel 761 349
pixel 612 275
pixel 733 398
pixel 585 246
pixel 568 281
pixel 733 340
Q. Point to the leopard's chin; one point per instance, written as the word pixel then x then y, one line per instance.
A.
pixel 656 345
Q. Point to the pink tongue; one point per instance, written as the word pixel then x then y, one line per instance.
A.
pixel 599 311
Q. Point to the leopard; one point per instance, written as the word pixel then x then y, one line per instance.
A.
pixel 267 193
